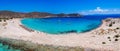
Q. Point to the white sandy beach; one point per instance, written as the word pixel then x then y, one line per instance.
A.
pixel 92 39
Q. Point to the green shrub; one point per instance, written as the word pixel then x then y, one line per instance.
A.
pixel 0 20
pixel 117 28
pixel 103 42
pixel 116 39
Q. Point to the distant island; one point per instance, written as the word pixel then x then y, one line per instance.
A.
pixel 12 14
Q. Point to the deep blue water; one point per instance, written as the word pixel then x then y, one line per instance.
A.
pixel 57 25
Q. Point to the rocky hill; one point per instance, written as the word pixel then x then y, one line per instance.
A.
pixel 11 14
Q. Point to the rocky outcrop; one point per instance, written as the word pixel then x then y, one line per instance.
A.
pixel 111 25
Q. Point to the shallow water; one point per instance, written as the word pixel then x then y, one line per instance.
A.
pixel 7 48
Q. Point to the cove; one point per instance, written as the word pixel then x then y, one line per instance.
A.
pixel 59 25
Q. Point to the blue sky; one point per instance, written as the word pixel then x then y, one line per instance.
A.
pixel 61 6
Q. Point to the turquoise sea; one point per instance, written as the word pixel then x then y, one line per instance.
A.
pixel 58 25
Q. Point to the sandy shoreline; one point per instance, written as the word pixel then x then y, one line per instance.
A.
pixel 92 39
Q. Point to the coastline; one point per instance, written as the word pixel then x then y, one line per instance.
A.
pixel 29 46
pixel 84 40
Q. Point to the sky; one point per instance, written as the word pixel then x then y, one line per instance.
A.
pixel 62 6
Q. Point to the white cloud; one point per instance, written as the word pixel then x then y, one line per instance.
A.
pixel 98 10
